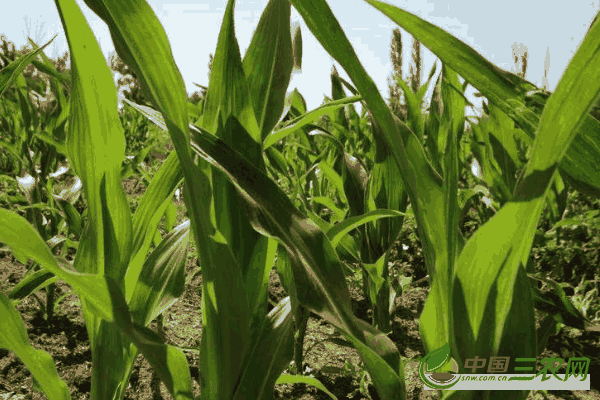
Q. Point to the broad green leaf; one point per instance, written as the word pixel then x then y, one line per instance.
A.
pixel 507 91
pixel 96 150
pixel 162 278
pixel 376 278
pixel 466 194
pixel 149 213
pixel 346 248
pixel 337 93
pixel 501 127
pixel 490 278
pixel 355 180
pixel 95 143
pixel 294 102
pixel 421 180
pixel 309 380
pixel 384 191
pixel 104 299
pixel 490 169
pixel 19 235
pixel 277 160
pixel 436 137
pixel 57 145
pixel 501 88
pixel 27 109
pixel 556 303
pixel 316 268
pixel 414 102
pixel 11 72
pixel 334 178
pixel 268 64
pixel 338 213
pixel 13 336
pixel 169 362
pixel 579 167
pixel 337 232
pixel 269 354
pixel 73 218
pixel 305 119
pixel 228 89
pixel 557 199
pixel 298 48
pixel 230 207
pixel 221 362
pixel 31 284
pixel 258 85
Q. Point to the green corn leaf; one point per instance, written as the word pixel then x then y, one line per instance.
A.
pixel 507 91
pixel 162 278
pixel 491 171
pixel 298 48
pixel 579 167
pixel 271 351
pixel 337 232
pixel 376 279
pixel 421 181
pixel 320 269
pixel 12 72
pixel 384 191
pixel 96 150
pixel 355 179
pixel 286 378
pixel 556 303
pixel 338 213
pixel 60 147
pixel 13 336
pixel 490 273
pixel 333 177
pixel 277 160
pixel 170 215
pixel 31 284
pixel 466 194
pixel 268 64
pixel 337 93
pixel 73 218
pixel 264 74
pixel 346 248
pixel 228 81
pixel 305 119
pixel 294 105
pixel 19 235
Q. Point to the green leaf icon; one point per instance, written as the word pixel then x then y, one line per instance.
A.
pixel 436 358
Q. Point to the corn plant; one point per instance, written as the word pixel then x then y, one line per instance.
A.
pixel 34 129
pixel 331 166
pixel 239 216
pixel 501 151
pixel 53 214
pixel 442 244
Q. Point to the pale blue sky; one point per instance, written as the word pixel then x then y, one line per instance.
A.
pixel 491 28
